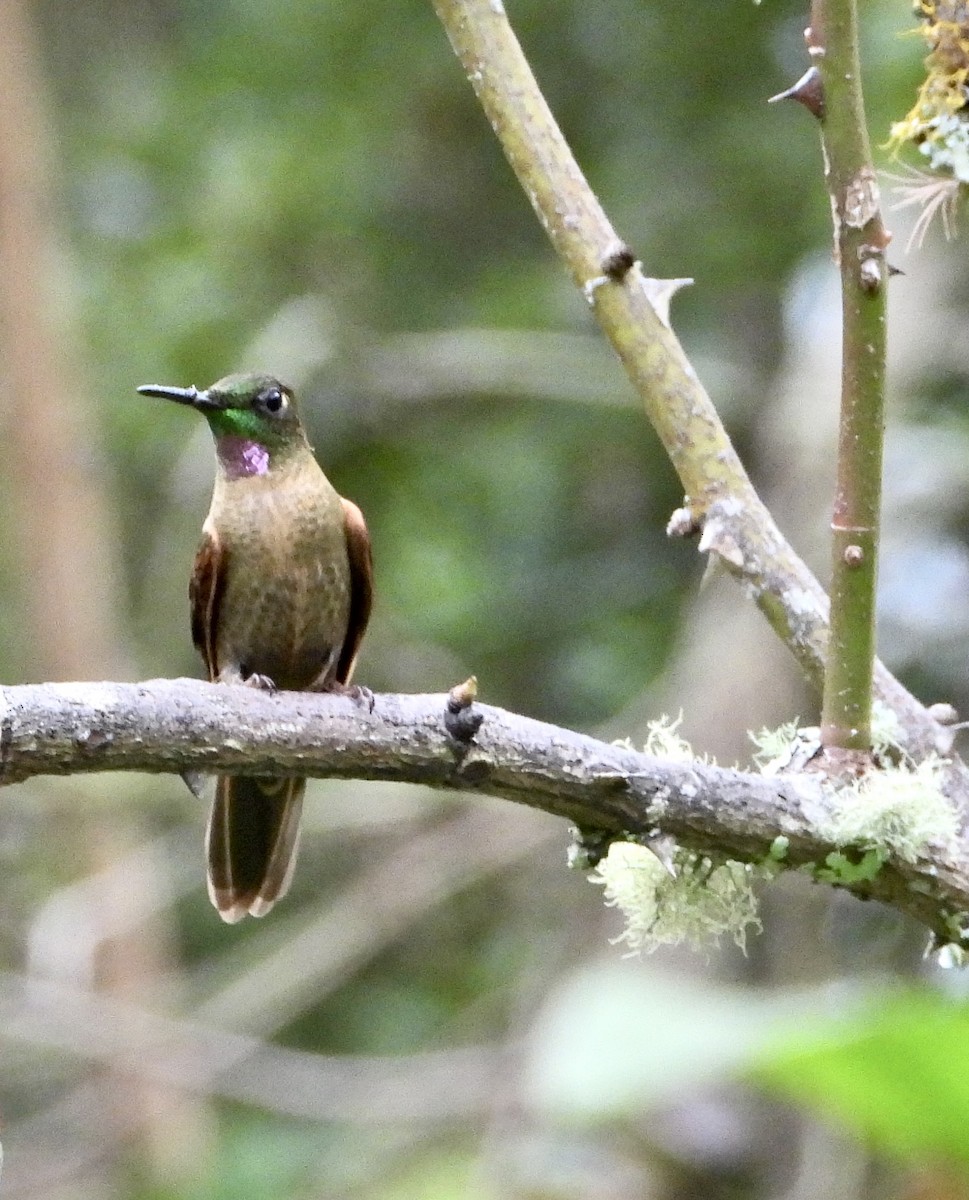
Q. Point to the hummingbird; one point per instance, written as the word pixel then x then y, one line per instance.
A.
pixel 280 597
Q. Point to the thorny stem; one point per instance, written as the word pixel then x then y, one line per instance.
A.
pixel 737 526
pixel 860 241
pixel 580 231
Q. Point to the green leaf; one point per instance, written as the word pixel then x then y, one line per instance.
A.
pixel 898 1076
pixel 839 868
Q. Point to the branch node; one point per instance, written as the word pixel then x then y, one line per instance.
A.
pixel 683 523
pixel 460 719
pixel 814 39
pixel 617 262
pixel 861 198
pixel 6 738
pixel 945 714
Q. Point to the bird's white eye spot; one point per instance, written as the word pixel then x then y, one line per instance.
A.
pixel 274 401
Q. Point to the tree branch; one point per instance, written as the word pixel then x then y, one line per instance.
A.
pixel 737 526
pixel 182 724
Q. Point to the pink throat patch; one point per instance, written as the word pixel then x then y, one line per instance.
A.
pixel 241 457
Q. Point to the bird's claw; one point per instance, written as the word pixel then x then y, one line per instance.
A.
pixel 262 682
pixel 361 696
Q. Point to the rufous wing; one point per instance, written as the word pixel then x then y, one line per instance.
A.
pixel 361 587
pixel 205 592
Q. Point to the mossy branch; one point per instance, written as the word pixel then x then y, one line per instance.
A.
pixel 607 790
pixel 737 527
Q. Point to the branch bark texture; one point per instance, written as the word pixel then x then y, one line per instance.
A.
pixel 182 724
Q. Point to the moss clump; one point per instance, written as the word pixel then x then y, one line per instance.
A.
pixel 693 900
pixel 898 810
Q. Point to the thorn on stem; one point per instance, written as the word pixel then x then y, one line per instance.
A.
pixel 717 538
pixel 196 782
pixel 853 556
pixel 665 849
pixel 809 91
pixel 659 292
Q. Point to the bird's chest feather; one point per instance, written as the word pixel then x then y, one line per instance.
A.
pixel 285 601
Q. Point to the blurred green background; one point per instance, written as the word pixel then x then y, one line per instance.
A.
pixel 191 188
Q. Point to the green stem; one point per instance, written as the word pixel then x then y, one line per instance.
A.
pixel 737 525
pixel 860 240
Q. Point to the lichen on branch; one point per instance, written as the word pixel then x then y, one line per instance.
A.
pixel 184 725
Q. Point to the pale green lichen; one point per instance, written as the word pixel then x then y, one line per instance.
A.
pixel 938 122
pixel 898 808
pixel 899 811
pixel 957 924
pixel 698 904
pixel 887 734
pixel 773 747
pixel 664 741
pixel 774 862
pixel 955 953
pixel 778 849
pixel 951 957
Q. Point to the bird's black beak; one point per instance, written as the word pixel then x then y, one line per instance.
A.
pixel 190 395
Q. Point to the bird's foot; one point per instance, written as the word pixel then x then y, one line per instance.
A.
pixel 360 695
pixel 262 682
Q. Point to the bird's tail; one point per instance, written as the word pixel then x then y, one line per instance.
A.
pixel 251 843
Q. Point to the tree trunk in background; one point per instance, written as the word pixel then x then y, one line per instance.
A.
pixel 72 585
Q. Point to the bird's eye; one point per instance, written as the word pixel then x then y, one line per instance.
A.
pixel 273 400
